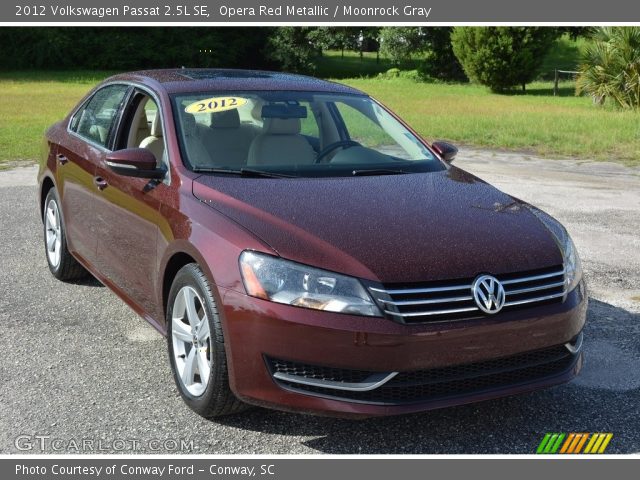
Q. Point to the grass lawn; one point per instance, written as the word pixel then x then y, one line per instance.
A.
pixel 31 102
pixel 466 114
pixel 564 55
pixel 535 121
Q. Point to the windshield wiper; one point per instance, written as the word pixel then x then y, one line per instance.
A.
pixel 245 172
pixel 250 172
pixel 377 171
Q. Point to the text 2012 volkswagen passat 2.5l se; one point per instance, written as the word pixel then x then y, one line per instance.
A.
pixel 303 249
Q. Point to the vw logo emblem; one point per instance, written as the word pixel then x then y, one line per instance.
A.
pixel 488 294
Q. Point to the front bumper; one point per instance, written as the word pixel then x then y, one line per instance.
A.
pixel 433 365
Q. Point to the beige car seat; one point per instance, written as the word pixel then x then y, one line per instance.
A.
pixel 280 143
pixel 155 142
pixel 196 151
pixel 139 127
pixel 226 141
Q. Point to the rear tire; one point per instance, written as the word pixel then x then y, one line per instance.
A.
pixel 61 263
pixel 196 346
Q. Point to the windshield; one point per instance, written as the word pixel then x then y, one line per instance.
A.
pixel 295 134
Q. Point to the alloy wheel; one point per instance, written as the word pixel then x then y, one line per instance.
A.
pixel 191 341
pixel 53 233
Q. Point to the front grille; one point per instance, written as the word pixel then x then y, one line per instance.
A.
pixel 433 384
pixel 448 301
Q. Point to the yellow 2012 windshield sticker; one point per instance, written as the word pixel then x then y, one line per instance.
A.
pixel 215 104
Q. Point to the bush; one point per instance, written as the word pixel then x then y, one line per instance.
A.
pixel 502 57
pixel 392 73
pixel 611 67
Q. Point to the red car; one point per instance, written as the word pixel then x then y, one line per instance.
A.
pixel 303 249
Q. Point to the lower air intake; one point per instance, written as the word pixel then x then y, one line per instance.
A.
pixel 422 385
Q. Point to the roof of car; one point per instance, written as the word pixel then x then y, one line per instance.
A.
pixel 214 79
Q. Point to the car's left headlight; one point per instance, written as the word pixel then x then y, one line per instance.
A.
pixel 572 265
pixel 282 281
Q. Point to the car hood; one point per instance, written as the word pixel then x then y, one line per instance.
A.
pixel 391 228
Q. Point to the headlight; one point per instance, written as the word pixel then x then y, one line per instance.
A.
pixel 572 266
pixel 291 283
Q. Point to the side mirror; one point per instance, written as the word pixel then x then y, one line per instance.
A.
pixel 134 162
pixel 446 151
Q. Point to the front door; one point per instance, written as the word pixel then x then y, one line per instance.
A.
pixel 127 209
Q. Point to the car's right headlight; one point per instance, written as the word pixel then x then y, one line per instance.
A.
pixel 572 265
pixel 282 281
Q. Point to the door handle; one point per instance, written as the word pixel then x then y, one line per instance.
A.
pixel 100 182
pixel 62 159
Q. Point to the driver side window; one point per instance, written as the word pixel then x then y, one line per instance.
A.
pixel 142 126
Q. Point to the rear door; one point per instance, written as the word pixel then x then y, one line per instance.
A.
pixel 77 157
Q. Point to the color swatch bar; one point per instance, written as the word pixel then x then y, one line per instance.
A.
pixel 574 443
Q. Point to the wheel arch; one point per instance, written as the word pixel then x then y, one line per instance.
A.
pixel 46 186
pixel 173 266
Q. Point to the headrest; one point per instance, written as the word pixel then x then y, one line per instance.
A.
pixel 282 126
pixel 256 109
pixel 142 121
pixel 226 119
pixel 156 126
pixel 189 124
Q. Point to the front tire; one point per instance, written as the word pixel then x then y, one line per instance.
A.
pixel 196 346
pixel 61 263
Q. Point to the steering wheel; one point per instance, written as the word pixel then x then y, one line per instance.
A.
pixel 331 147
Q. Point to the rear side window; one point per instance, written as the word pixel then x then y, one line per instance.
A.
pixel 95 119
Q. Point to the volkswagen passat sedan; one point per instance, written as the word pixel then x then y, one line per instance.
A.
pixel 302 248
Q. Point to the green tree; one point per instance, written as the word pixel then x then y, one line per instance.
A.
pixel 502 57
pixel 369 40
pixel 575 32
pixel 293 49
pixel 401 44
pixel 131 48
pixel 357 39
pixel 610 67
pixel 335 38
pixel 440 62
